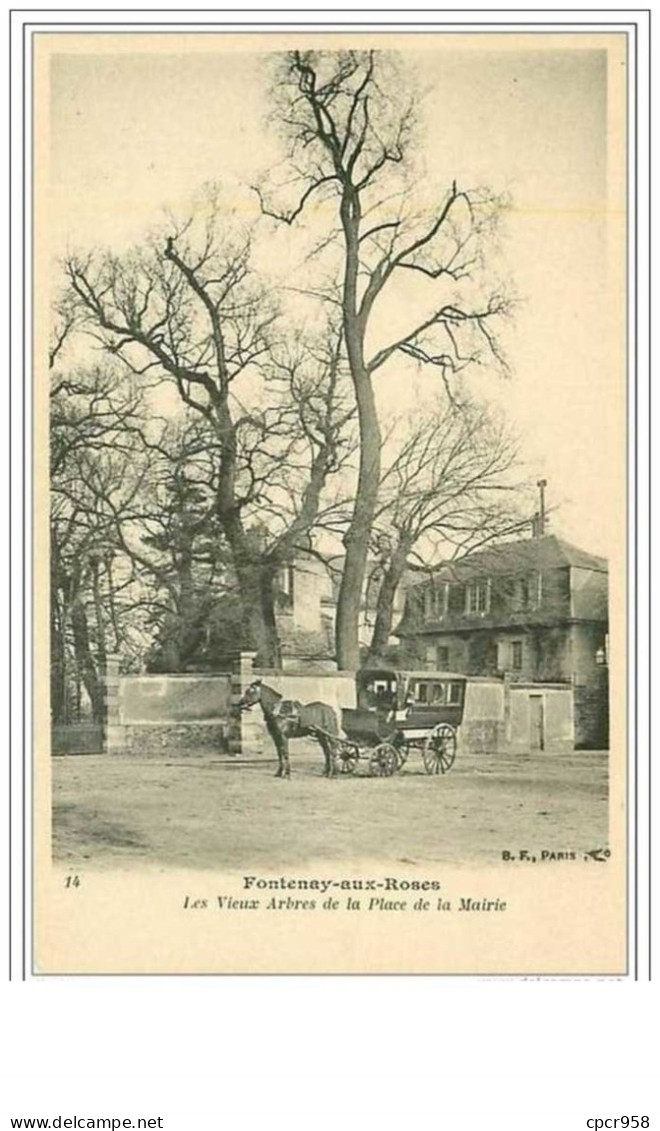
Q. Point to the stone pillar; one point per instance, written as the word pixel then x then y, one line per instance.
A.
pixel 248 730
pixel 507 735
pixel 114 737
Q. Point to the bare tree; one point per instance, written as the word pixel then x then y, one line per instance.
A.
pixel 187 309
pixel 95 433
pixel 350 126
pixel 173 539
pixel 452 486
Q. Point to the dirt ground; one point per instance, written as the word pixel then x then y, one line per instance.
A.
pixel 211 813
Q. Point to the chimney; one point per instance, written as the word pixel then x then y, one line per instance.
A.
pixel 539 523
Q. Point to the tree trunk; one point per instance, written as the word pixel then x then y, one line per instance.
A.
pixel 85 659
pixel 112 606
pixel 188 626
pixel 256 583
pixel 101 648
pixel 357 537
pixel 385 604
pixel 59 698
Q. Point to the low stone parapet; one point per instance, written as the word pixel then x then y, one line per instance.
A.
pixel 481 736
pixel 193 737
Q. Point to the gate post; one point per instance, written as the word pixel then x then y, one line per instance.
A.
pixel 507 728
pixel 113 731
pixel 247 734
pixel 252 724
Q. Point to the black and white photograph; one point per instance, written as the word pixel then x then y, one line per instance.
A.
pixel 330 438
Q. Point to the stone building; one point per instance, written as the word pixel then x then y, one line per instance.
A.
pixel 533 610
pixel 307 607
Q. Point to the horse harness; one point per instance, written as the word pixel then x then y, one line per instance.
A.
pixel 287 713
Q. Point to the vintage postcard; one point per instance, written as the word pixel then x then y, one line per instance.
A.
pixel 331 525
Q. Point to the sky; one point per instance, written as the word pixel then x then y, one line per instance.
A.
pixel 133 131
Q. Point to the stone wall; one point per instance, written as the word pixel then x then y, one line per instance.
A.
pixel 174 698
pixel 498 718
pixel 149 714
pixel 592 721
pixel 482 736
pixel 184 738
pixel 335 688
pixel 484 699
pixel 158 714
pixel 556 705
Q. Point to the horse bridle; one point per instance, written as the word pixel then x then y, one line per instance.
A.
pixel 244 706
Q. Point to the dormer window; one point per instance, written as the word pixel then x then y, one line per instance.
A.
pixel 429 603
pixel 521 593
pixel 526 592
pixel 477 597
pixel 436 601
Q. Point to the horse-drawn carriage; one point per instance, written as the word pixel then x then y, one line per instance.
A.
pixel 398 712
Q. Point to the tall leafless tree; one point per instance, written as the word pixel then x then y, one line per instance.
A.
pixel 452 486
pixel 169 534
pixel 351 126
pixel 187 308
pixel 95 450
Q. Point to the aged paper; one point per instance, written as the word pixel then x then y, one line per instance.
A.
pixel 515 862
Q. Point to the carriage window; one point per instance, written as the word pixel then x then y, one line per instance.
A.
pixel 378 693
pixel 382 688
pixel 421 693
pixel 454 693
pixel 438 693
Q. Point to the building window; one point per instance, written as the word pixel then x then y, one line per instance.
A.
pixel 521 593
pixel 435 601
pixel 428 603
pixel 478 597
pixel 286 585
pixel 456 599
pixel 442 657
pixel 526 592
pixel 415 603
pixel 517 655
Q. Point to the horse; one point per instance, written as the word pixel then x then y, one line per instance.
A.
pixel 286 718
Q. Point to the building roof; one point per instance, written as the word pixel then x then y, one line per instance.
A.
pixel 547 552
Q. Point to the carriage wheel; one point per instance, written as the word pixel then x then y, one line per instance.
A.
pixel 384 760
pixel 402 752
pixel 402 748
pixel 439 750
pixel 346 757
